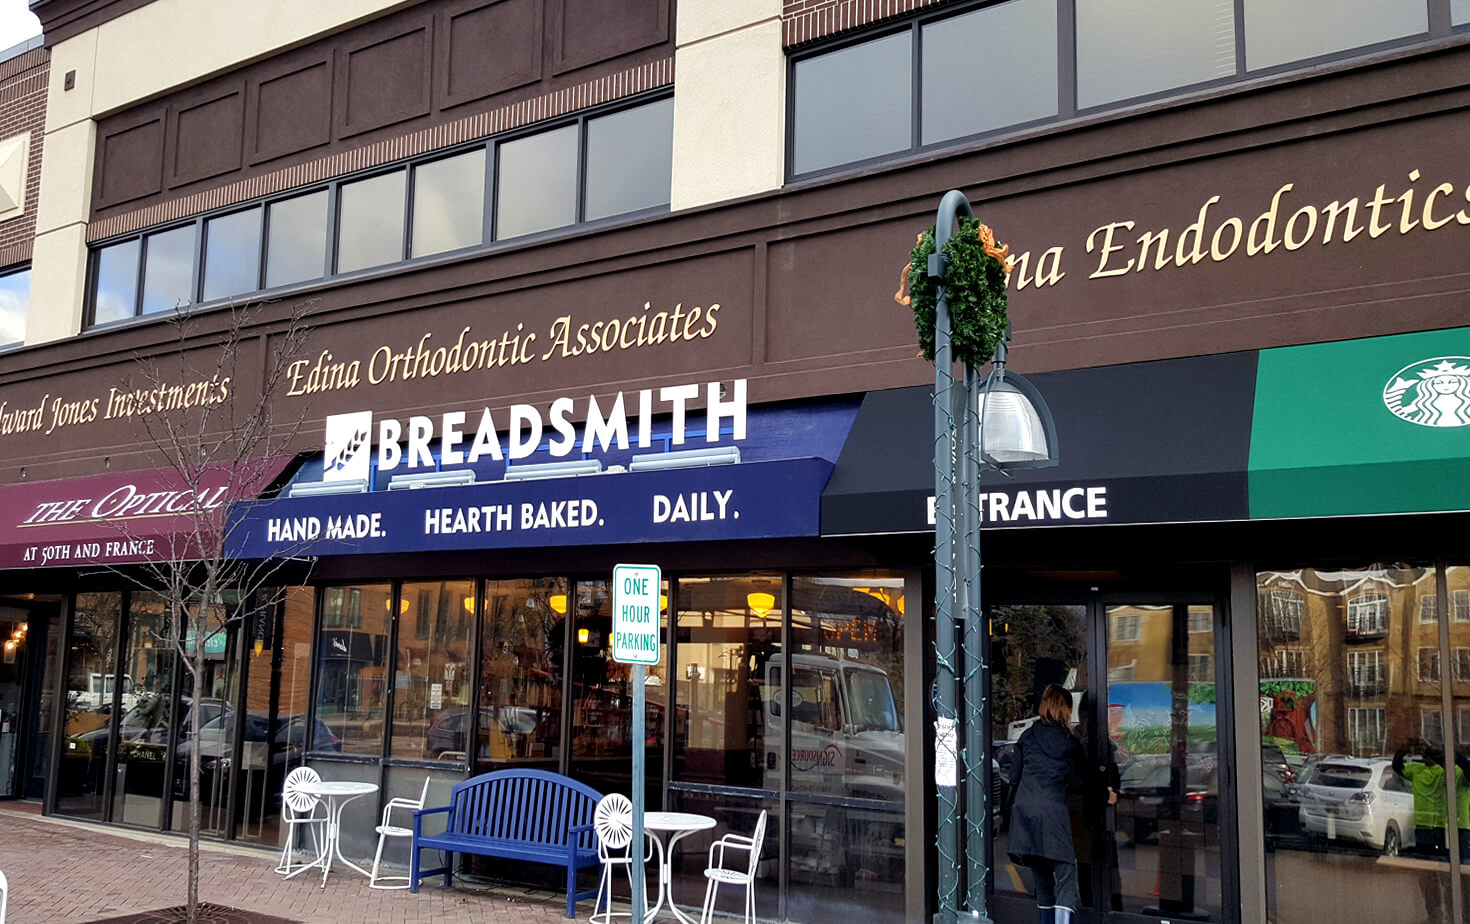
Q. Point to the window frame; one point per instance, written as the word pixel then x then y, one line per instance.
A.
pixel 1434 673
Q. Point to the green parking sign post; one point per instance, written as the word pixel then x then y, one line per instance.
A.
pixel 635 625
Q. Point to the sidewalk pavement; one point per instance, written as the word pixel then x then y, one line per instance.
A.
pixel 61 870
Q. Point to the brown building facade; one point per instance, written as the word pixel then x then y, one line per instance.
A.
pixel 601 236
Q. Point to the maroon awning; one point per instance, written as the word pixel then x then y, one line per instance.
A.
pixel 119 517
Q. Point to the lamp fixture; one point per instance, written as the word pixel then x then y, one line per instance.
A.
pixel 402 605
pixel 553 470
pixel 558 603
pixel 685 458
pixel 416 480
pixel 323 488
pixel 583 635
pixel 469 605
pixel 1016 426
pixel 760 603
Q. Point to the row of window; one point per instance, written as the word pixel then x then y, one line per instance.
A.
pixel 1368 727
pixel 1001 65
pixel 1367 614
pixel 591 168
pixel 1367 670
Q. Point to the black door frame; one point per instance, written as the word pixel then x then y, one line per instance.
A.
pixel 1211 589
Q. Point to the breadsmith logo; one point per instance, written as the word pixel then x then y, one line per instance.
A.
pixel 1432 392
pixel 347 452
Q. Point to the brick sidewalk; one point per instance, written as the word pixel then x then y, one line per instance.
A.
pixel 65 871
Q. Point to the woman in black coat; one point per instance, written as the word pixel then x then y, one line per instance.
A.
pixel 1048 761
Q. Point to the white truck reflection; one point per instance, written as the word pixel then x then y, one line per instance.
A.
pixel 846 733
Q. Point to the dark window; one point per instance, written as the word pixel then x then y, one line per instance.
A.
pixel 1279 33
pixel 15 305
pixel 370 227
pixel 1133 49
pixel 1010 47
pixel 232 254
pixel 449 203
pixel 854 103
pixel 537 184
pixel 522 652
pixel 629 160
pixel 353 671
pixel 168 269
pixel 297 245
pixel 117 282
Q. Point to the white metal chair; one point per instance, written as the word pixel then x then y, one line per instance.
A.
pixel 718 875
pixel 299 809
pixel 387 829
pixel 613 822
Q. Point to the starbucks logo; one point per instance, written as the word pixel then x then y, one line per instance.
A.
pixel 1432 392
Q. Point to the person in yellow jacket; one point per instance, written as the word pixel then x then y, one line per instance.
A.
pixel 1431 798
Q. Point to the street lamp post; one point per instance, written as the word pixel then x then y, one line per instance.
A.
pixel 1001 422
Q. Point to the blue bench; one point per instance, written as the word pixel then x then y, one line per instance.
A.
pixel 515 815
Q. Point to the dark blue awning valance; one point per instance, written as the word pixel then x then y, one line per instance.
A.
pixel 749 500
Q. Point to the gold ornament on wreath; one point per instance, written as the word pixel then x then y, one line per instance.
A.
pixel 975 283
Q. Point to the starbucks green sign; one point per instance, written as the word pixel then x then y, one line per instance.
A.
pixel 1380 425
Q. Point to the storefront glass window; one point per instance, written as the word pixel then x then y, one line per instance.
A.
pixel 729 675
pixel 92 693
pixel 116 297
pixel 353 658
pixel 145 727
pixel 274 734
pixel 232 254
pixel 521 652
pixel 434 673
pixel 630 160
pixel 1134 49
pixel 1278 33
pixel 370 224
pixel 296 246
pixel 168 270
pixel 854 103
pixel 602 702
pixel 846 740
pixel 1459 12
pixel 449 203
pixel 1353 760
pixel 1012 44
pixel 536 189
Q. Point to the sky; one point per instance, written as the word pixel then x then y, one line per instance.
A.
pixel 17 23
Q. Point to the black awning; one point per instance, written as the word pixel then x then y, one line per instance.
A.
pixel 1165 441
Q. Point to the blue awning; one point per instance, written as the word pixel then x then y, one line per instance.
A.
pixel 748 500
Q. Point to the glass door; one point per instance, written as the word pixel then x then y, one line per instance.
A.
pixel 1159 746
pixel 1142 674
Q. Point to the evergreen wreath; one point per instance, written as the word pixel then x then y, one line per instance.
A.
pixel 976 285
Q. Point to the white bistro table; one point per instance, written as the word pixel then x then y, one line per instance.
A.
pixel 676 826
pixel 336 795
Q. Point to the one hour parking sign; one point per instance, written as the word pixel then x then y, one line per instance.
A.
pixel 635 624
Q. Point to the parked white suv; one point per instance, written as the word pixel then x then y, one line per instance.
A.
pixel 1358 799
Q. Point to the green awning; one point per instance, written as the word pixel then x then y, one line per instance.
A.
pixel 1380 425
